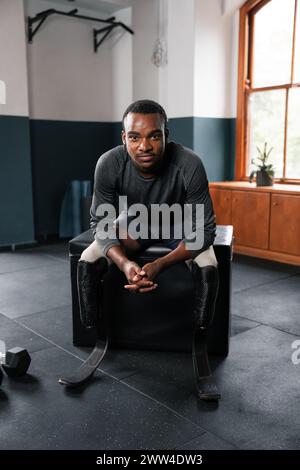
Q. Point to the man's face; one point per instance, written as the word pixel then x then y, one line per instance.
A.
pixel 145 140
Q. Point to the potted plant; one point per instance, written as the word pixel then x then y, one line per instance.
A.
pixel 264 171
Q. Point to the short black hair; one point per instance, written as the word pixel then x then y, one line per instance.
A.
pixel 145 107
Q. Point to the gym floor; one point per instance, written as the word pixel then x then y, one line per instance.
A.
pixel 143 399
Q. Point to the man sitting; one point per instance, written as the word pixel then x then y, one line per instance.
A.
pixel 149 170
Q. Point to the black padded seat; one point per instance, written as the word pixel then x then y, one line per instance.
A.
pixel 161 319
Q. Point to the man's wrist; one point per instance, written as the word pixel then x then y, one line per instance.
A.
pixel 179 254
pixel 160 262
pixel 118 256
pixel 123 263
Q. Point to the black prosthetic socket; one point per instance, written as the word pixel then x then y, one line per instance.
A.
pixel 206 282
pixel 89 277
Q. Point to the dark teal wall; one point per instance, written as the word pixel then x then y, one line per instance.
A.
pixel 214 140
pixel 182 131
pixel 116 133
pixel 16 211
pixel 62 151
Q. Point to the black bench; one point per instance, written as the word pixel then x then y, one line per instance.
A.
pixel 160 320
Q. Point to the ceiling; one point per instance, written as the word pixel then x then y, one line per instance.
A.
pixel 107 6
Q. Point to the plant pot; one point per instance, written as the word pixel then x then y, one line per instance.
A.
pixel 263 178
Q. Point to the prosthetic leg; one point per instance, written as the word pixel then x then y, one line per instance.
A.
pixel 206 282
pixel 89 276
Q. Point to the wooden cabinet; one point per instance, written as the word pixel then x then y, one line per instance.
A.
pixel 285 224
pixel 266 220
pixel 250 218
pixel 222 205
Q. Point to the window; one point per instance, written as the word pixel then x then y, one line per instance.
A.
pixel 269 86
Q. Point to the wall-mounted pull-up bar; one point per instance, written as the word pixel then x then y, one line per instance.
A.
pixel 41 17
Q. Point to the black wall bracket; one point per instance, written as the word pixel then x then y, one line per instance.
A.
pixel 41 17
pixel 107 30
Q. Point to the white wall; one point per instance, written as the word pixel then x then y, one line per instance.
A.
pixel 172 84
pixel 231 6
pixel 67 80
pixel 145 73
pixel 180 58
pixel 122 72
pixel 13 66
pixel 215 61
pixel 200 78
pixel 235 20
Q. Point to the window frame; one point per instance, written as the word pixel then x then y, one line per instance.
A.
pixel 245 74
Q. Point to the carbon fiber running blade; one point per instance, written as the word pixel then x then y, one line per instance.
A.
pixel 87 369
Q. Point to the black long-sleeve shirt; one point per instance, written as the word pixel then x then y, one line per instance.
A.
pixel 181 179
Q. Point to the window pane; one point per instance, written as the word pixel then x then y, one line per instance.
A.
pixel 297 48
pixel 273 40
pixel 293 135
pixel 266 124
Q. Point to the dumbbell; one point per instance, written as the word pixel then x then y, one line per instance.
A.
pixel 15 362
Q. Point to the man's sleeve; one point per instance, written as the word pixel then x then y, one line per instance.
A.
pixel 202 218
pixel 103 208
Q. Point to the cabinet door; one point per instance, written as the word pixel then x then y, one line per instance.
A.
pixel 250 218
pixel 285 224
pixel 221 199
